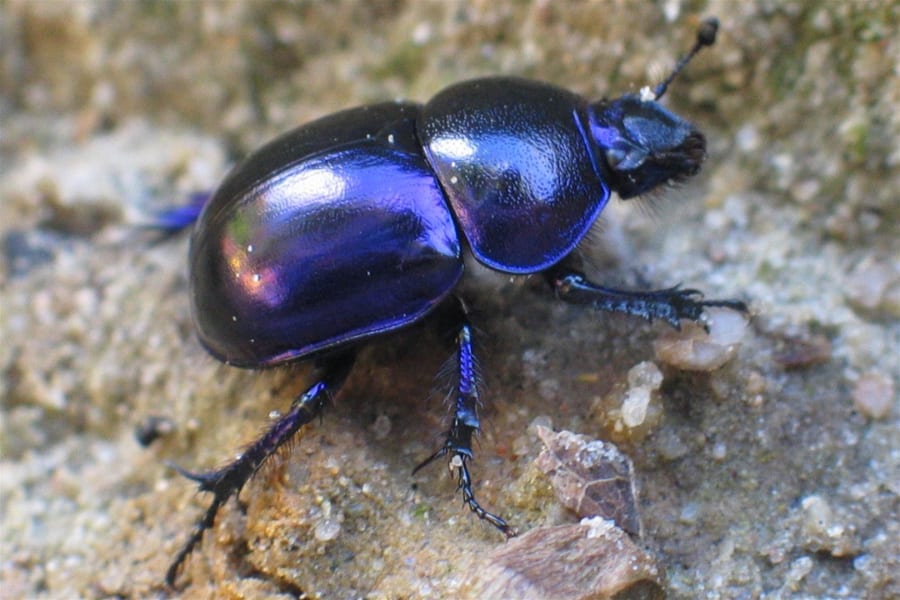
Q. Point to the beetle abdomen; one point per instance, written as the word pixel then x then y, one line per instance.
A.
pixel 322 240
pixel 512 157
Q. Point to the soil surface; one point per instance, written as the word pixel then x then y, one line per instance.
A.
pixel 776 475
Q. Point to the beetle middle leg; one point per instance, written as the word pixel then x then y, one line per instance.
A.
pixel 228 480
pixel 464 425
pixel 670 304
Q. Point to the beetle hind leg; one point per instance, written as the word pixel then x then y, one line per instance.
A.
pixel 228 481
pixel 463 426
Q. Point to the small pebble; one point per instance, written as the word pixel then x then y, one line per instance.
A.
pixel 719 451
pixel 874 394
pixel 326 530
pixel 693 349
pixel 872 287
pixel 800 568
pixel 822 528
pixel 644 379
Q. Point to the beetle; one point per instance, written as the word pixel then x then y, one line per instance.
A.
pixel 356 225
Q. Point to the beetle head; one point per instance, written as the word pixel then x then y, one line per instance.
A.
pixel 643 145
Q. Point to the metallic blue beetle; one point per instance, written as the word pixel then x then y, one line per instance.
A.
pixel 354 226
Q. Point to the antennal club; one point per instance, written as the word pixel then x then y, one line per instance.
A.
pixel 706 36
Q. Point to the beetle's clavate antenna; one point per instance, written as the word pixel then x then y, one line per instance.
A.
pixel 706 36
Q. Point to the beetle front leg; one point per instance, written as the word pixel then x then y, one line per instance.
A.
pixel 465 423
pixel 670 304
pixel 228 481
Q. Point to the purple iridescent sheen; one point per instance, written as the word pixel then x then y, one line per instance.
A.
pixel 513 157
pixel 334 232
pixel 346 228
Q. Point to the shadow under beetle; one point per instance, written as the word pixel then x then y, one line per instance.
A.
pixel 354 226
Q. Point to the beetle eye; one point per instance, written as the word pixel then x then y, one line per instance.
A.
pixel 614 157
pixel 625 157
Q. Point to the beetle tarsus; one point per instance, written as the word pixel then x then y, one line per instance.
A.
pixel 229 480
pixel 461 456
pixel 465 485
pixel 672 305
pixel 196 535
pixel 464 425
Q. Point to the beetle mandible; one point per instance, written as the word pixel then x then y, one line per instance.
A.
pixel 355 225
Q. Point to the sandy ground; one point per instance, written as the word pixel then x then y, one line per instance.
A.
pixel 774 476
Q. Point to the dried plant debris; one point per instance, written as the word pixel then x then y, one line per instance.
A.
pixel 803 351
pixel 591 477
pixel 593 560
